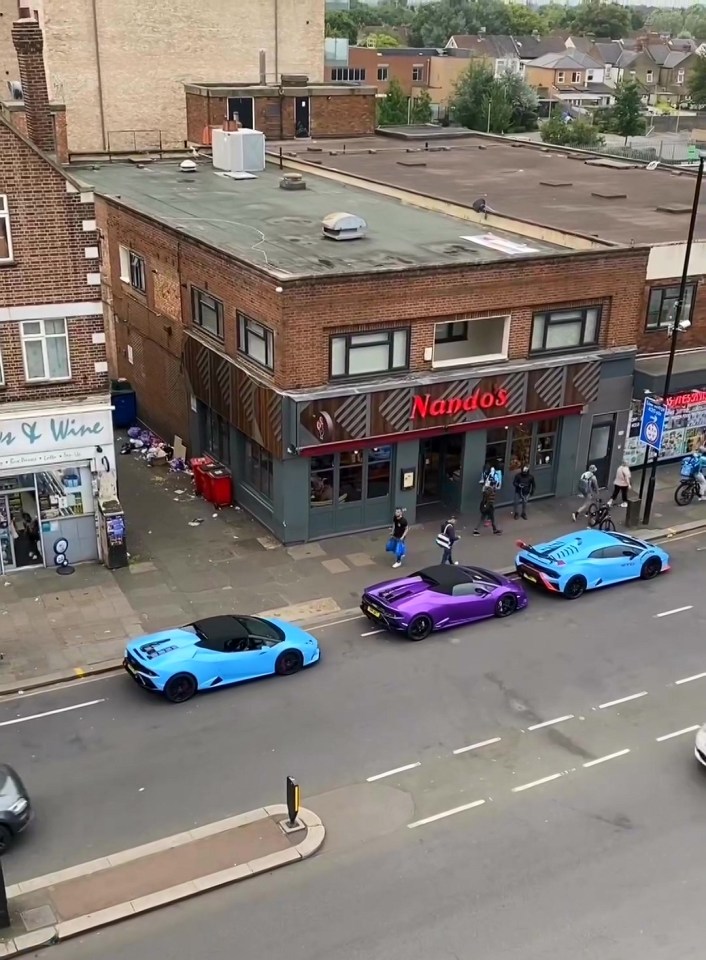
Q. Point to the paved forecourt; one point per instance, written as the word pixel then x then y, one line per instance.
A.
pixel 374 704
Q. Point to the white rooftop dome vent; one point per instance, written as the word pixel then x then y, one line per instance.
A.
pixel 187 166
pixel 343 226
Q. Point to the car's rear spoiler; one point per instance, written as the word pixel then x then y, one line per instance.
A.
pixel 528 547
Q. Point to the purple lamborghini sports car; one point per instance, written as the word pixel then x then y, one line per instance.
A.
pixel 439 597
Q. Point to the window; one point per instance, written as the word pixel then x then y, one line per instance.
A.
pixel 5 235
pixel 450 332
pixel 2 373
pixel 546 446
pixel 256 341
pixel 649 76
pixel 565 329
pixel 661 310
pixel 132 270
pixel 680 77
pixel 207 312
pixel 348 73
pixel 418 73
pixel 350 477
pixel 379 472
pixel 217 440
pixel 357 354
pixel 560 77
pixel 576 77
pixel 322 476
pixel 475 340
pixel 383 73
pixel 589 75
pixel 258 469
pixel 45 345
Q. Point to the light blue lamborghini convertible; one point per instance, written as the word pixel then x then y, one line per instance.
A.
pixel 215 652
pixel 577 562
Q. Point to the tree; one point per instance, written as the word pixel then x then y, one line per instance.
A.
pixel 393 109
pixel 339 24
pixel 421 108
pixel 665 21
pixel 626 115
pixel 504 104
pixel 601 19
pixel 382 40
pixel 570 133
pixel 696 82
pixel 523 21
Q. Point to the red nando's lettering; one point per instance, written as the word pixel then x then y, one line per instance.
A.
pixel 686 399
pixel 425 406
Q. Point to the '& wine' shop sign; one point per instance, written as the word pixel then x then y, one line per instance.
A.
pixel 47 434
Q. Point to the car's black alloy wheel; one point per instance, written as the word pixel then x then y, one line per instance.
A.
pixel 651 568
pixel 6 839
pixel 420 627
pixel 575 588
pixel 506 605
pixel 180 688
pixel 288 663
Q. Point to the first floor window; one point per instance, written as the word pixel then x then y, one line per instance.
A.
pixel 258 469
pixel 451 332
pixel 357 354
pixel 418 73
pixel 5 237
pixel 565 329
pixel 383 73
pixel 256 341
pixel 45 345
pixel 662 306
pixel 2 373
pixel 133 270
pixel 207 312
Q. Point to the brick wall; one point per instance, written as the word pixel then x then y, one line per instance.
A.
pixel 146 56
pixel 14 112
pixel 349 115
pixel 50 266
pixel 29 45
pixel 658 341
pixel 307 312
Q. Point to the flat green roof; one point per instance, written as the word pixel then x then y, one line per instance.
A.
pixel 280 232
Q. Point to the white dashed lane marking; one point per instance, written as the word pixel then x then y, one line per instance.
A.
pixel 445 813
pixel 536 783
pixel 549 723
pixel 696 676
pixel 391 773
pixel 678 733
pixel 668 613
pixel 610 756
pixel 477 746
pixel 614 703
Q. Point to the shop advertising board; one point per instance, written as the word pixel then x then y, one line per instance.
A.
pixel 684 428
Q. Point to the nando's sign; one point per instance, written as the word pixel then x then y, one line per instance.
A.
pixel 425 407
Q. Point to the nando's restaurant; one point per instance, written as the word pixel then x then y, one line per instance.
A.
pixel 422 444
pixel 340 459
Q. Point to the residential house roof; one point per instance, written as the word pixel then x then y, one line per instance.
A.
pixel 675 57
pixel 531 47
pixel 565 61
pixel 495 47
pixel 610 51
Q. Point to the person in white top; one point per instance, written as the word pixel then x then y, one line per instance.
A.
pixel 621 484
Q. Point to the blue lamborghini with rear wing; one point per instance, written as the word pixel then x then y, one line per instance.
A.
pixel 583 561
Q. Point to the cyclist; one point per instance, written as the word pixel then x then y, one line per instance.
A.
pixel 693 466
pixel 588 489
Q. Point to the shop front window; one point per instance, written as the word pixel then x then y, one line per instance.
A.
pixel 217 439
pixel 521 447
pixel 350 483
pixel 64 493
pixel 379 472
pixel 258 469
pixel 496 447
pixel 322 476
pixel 545 450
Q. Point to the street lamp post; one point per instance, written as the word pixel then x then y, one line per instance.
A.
pixel 679 306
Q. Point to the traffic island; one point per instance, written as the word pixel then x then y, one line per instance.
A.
pixel 49 909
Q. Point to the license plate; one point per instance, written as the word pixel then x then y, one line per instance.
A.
pixel 527 576
pixel 373 613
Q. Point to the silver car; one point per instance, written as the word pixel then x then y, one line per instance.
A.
pixel 700 746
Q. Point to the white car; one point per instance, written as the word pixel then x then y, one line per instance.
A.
pixel 700 746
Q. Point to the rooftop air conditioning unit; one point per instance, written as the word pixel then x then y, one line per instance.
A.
pixel 239 151
pixel 343 226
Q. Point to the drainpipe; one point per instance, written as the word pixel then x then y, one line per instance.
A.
pixel 99 73
pixel 276 12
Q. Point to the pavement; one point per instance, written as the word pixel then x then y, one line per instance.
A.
pixel 516 790
pixel 189 560
pixel 68 903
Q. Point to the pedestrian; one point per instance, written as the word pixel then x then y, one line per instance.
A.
pixel 492 475
pixel 621 484
pixel 487 510
pixel 398 534
pixel 699 473
pixel 446 539
pixel 524 489
pixel 588 489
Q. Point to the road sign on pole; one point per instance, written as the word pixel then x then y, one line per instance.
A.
pixel 652 424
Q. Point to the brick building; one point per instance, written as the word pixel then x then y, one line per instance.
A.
pixel 120 67
pixel 292 110
pixel 56 437
pixel 340 377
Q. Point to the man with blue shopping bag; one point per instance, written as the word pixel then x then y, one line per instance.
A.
pixel 396 543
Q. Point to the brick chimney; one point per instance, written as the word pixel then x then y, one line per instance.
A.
pixel 29 44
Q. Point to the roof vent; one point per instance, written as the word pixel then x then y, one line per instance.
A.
pixel 187 166
pixel 343 226
pixel 292 181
